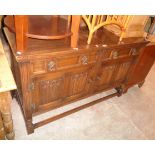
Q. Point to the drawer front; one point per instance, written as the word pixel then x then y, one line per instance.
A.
pixel 110 54
pixel 62 62
pixel 38 67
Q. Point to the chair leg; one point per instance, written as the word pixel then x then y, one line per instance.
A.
pixel 75 30
pixel 2 132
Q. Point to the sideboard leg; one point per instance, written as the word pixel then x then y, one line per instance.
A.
pixel 124 89
pixel 29 126
pixel 119 91
pixel 141 84
pixel 27 98
pixel 2 132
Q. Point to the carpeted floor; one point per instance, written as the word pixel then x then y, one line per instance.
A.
pixel 131 116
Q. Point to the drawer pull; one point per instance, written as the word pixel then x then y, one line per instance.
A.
pixel 84 60
pixel 115 55
pixel 133 51
pixel 51 66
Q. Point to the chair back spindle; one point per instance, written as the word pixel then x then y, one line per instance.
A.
pixel 94 22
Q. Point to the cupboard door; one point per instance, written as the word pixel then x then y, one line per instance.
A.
pixel 48 91
pixel 112 74
pixel 122 71
pixel 105 76
pixel 80 82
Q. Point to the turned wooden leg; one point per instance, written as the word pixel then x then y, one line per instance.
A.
pixel 8 126
pixel 5 99
pixel 141 84
pixel 75 30
pixel 2 132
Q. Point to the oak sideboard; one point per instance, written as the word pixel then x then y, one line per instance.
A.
pixel 50 73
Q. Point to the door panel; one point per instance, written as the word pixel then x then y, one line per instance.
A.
pixel 48 91
pixel 55 89
pixel 105 76
pixel 77 83
pixel 122 71
pixel 80 82
pixel 112 74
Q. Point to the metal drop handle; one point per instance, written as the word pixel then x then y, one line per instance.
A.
pixel 115 55
pixel 84 60
pixel 133 51
pixel 51 65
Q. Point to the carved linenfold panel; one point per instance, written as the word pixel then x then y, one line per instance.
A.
pixel 122 71
pixel 105 76
pixel 78 83
pixel 50 90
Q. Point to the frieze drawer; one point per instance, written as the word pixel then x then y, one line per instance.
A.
pixel 63 62
pixel 110 54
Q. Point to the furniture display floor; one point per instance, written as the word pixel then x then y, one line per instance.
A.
pixel 130 116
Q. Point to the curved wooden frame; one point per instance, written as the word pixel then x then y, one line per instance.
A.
pixel 19 25
pixel 48 37
pixel 95 22
pixel 44 37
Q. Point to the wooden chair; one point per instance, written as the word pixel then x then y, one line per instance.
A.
pixel 94 22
